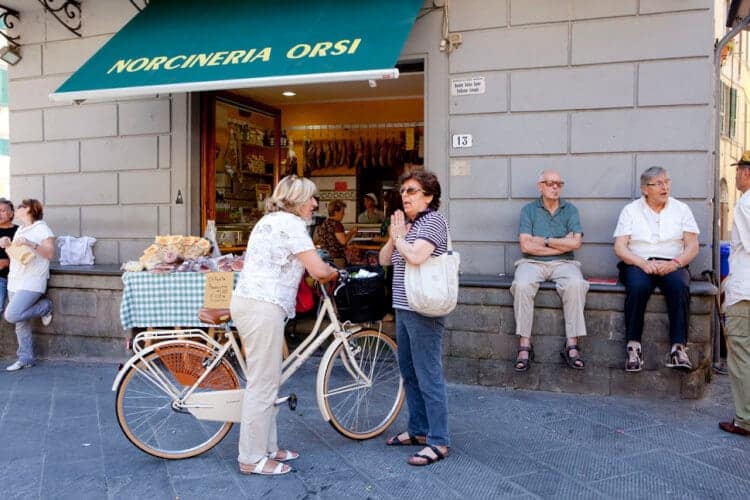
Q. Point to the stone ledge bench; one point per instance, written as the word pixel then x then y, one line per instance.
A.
pixel 480 342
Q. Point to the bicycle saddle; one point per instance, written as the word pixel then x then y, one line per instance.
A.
pixel 214 316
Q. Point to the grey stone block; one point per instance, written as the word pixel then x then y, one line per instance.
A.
pixel 461 370
pixel 605 301
pixel 77 303
pixel 474 318
pixel 471 344
pixel 693 385
pixel 606 324
pixel 501 373
pixel 656 384
pixel 561 378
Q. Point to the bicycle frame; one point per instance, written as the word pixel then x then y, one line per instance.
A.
pixel 226 406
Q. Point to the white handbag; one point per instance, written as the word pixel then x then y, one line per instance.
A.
pixel 76 251
pixel 432 287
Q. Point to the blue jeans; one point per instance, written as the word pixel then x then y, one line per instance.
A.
pixel 419 358
pixel 639 286
pixel 3 293
pixel 23 306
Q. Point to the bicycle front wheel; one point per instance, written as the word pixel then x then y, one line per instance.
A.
pixel 147 405
pixel 362 408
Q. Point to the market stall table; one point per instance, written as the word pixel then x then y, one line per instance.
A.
pixel 162 300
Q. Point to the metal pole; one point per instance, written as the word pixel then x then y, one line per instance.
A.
pixel 716 239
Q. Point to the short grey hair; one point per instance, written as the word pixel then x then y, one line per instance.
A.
pixel 290 194
pixel 545 172
pixel 651 173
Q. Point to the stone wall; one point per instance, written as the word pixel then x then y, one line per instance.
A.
pixel 480 347
pixel 86 322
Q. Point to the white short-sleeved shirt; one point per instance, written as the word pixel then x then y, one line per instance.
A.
pixel 272 271
pixel 656 234
pixel 34 275
pixel 737 285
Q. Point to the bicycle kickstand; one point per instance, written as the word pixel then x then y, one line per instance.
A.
pixel 290 400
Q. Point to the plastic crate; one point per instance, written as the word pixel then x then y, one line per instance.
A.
pixel 361 300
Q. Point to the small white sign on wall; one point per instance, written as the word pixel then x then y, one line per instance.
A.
pixel 467 86
pixel 463 140
pixel 460 168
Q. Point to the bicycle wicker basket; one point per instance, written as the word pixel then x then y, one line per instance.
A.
pixel 187 362
pixel 362 299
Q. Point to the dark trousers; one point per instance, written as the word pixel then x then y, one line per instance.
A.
pixel 639 286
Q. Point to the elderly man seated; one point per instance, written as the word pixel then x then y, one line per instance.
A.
pixel 549 231
pixel 656 238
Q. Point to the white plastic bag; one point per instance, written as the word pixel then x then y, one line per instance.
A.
pixel 432 287
pixel 76 251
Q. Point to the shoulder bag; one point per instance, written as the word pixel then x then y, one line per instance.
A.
pixel 432 287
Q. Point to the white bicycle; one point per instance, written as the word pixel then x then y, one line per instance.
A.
pixel 179 394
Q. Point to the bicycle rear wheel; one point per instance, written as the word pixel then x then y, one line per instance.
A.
pixel 361 410
pixel 145 404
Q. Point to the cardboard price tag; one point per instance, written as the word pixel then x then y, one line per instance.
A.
pixel 217 293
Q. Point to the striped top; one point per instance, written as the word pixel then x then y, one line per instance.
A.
pixel 430 226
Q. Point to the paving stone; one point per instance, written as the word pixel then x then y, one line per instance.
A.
pixel 550 484
pixel 583 464
pixel 640 485
pixel 705 482
pixel 505 443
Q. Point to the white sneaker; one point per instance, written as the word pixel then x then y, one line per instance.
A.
pixel 18 366
pixel 47 319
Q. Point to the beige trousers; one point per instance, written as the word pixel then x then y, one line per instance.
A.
pixel 738 360
pixel 570 286
pixel 261 326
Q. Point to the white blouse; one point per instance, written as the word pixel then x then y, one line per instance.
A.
pixel 272 271
pixel 656 235
pixel 34 275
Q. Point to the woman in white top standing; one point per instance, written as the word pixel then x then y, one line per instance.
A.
pixel 27 282
pixel 278 251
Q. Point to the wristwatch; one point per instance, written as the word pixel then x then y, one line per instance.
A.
pixel 546 241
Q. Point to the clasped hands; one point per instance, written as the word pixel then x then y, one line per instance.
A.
pixel 659 267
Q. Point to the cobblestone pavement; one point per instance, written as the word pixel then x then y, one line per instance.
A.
pixel 60 439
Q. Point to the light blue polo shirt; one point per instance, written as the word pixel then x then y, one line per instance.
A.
pixel 537 221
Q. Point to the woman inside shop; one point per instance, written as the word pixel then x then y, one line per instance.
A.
pixel 7 228
pixel 331 235
pixel 279 250
pixel 30 251
pixel 371 214
pixel 416 234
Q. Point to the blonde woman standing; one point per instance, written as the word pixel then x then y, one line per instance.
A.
pixel 278 251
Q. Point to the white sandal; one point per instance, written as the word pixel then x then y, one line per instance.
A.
pixel 286 455
pixel 257 468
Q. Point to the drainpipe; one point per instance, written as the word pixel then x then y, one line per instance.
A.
pixel 716 241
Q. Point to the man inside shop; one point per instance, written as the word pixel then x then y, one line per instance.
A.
pixel 371 214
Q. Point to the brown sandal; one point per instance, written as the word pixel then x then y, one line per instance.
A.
pixel 522 365
pixel 574 362
pixel 410 441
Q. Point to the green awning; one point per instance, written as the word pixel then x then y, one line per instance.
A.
pixel 195 45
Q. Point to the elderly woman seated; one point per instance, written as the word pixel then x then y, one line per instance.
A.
pixel 656 238
pixel 331 236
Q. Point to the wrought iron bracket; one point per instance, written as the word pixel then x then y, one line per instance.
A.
pixel 9 18
pixel 67 12
pixel 139 4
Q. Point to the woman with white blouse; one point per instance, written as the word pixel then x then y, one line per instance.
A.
pixel 278 251
pixel 27 279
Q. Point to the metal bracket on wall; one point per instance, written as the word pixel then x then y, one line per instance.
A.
pixel 7 16
pixel 70 10
pixel 139 4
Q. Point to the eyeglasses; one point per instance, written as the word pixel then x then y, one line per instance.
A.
pixel 410 191
pixel 660 184
pixel 549 184
pixel 21 206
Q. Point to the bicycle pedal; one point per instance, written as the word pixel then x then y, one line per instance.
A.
pixel 292 402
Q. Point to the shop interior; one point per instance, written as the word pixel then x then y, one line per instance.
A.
pixel 351 139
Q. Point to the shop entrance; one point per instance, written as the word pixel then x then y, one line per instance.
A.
pixel 354 140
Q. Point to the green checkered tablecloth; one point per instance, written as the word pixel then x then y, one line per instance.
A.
pixel 162 300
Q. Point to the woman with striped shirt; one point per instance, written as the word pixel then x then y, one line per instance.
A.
pixel 415 235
